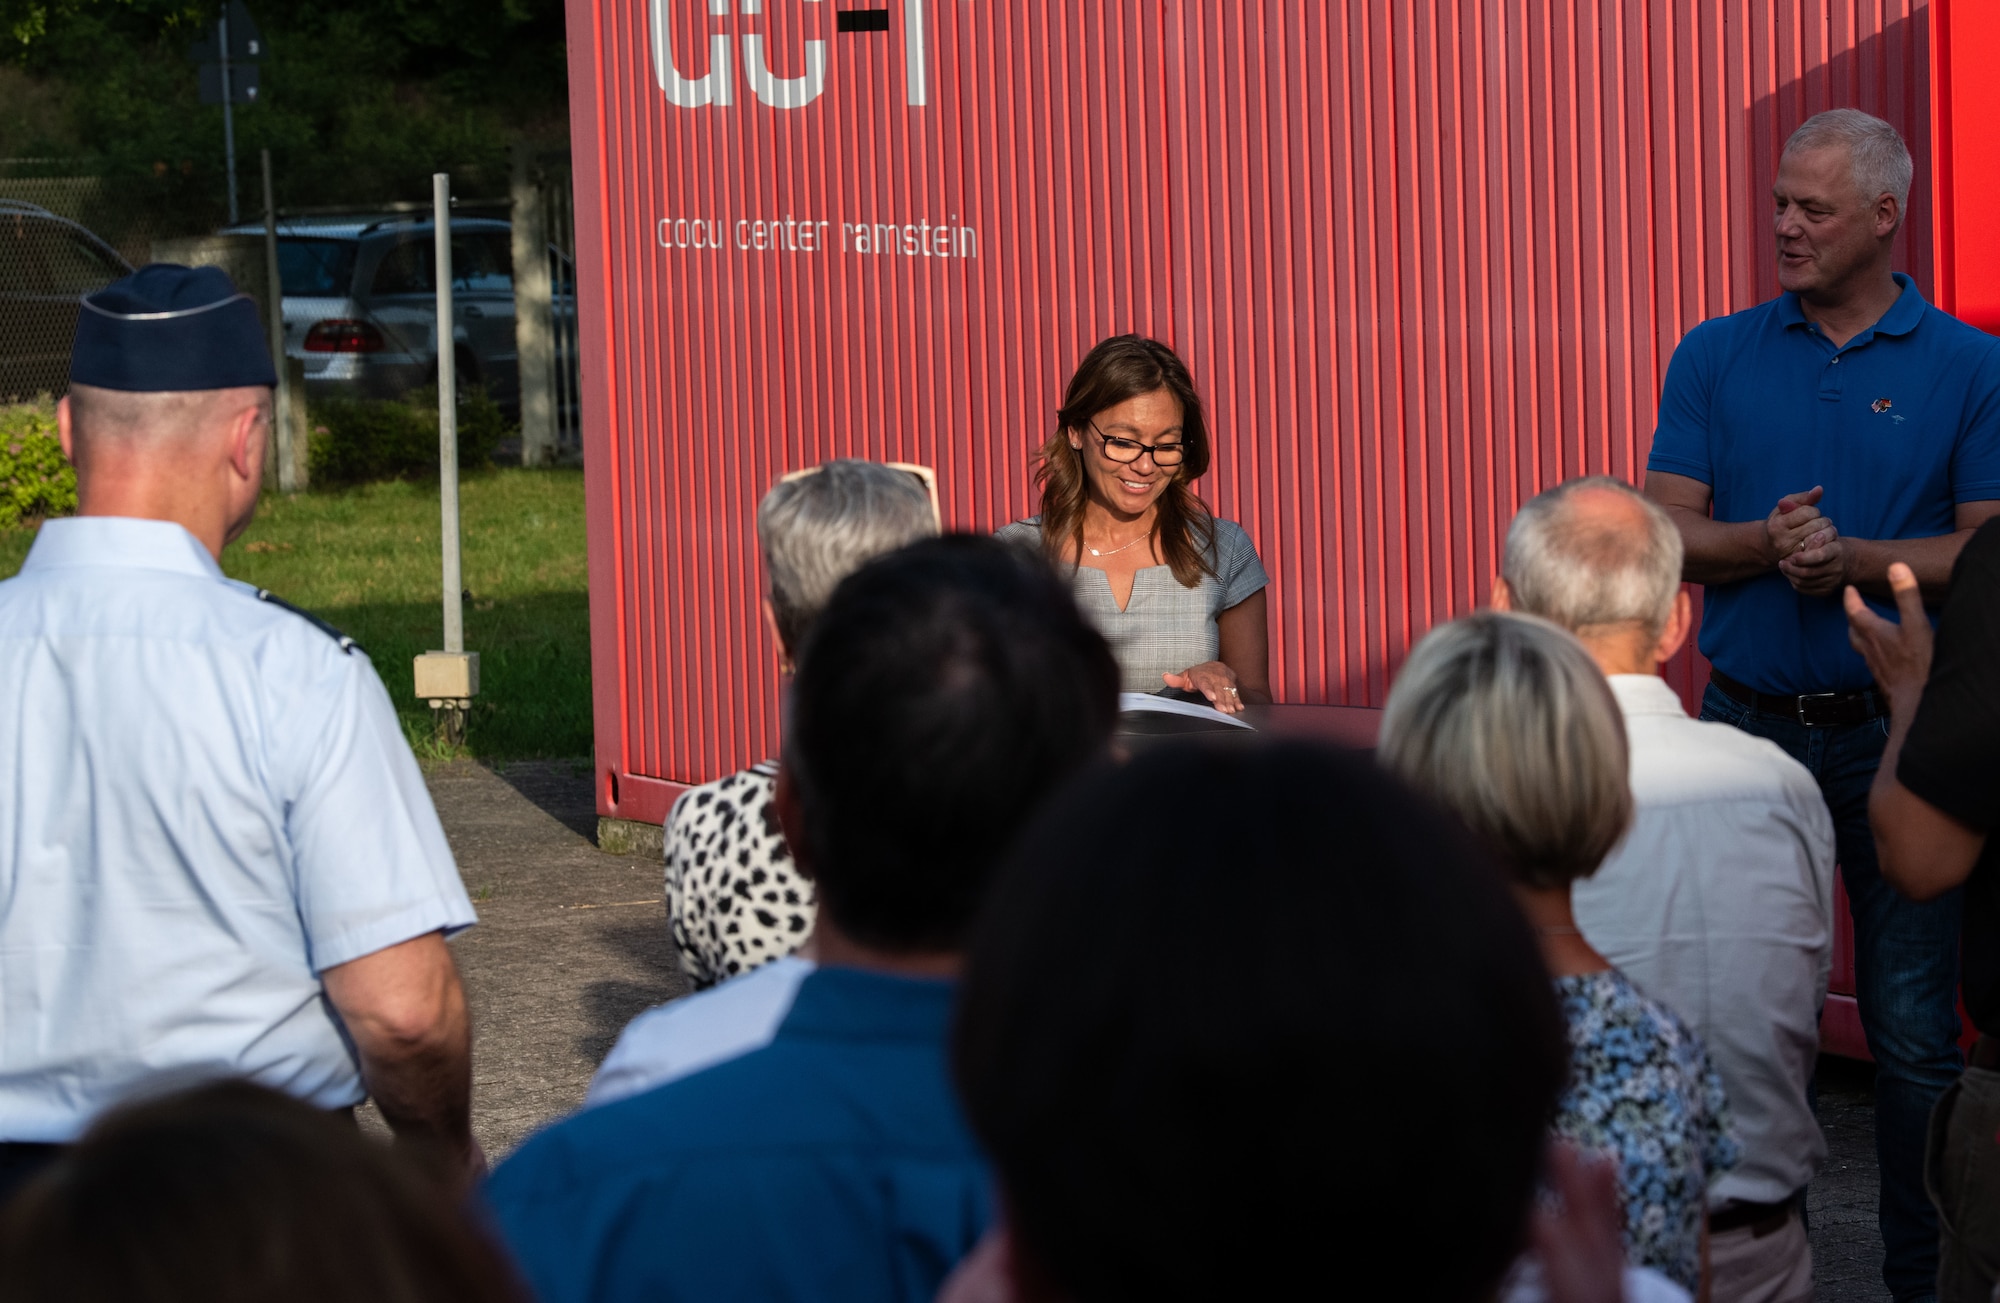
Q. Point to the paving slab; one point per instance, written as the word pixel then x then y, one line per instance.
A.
pixel 571 942
pixel 1847 1244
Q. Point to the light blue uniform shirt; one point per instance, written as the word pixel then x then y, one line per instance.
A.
pixel 205 802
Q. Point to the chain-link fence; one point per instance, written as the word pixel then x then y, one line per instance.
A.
pixel 545 306
pixel 63 235
pixel 559 196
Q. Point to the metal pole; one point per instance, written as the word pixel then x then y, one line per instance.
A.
pixel 565 399
pixel 454 610
pixel 228 112
pixel 281 428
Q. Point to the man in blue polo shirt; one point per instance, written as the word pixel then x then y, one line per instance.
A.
pixel 946 689
pixel 1804 445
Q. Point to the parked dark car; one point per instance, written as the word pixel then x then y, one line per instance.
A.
pixel 360 303
pixel 47 265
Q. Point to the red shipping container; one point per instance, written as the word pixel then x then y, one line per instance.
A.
pixel 1424 257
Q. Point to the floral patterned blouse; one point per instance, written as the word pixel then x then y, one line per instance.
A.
pixel 1643 1091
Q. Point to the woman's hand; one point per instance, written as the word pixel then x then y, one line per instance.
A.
pixel 1212 679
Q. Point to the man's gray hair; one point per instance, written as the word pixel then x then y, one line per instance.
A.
pixel 1881 160
pixel 817 529
pixel 1585 572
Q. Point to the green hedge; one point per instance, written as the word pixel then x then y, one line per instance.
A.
pixel 357 440
pixel 36 480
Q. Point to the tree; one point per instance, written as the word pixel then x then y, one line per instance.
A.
pixel 361 100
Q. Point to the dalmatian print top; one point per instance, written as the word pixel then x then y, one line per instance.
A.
pixel 734 897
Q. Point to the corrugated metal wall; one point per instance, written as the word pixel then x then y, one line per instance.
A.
pixel 1965 97
pixel 1424 259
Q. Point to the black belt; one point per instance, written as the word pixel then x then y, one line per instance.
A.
pixel 1762 1218
pixel 1812 709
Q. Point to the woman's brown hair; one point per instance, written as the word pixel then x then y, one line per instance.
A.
pixel 232 1193
pixel 1119 368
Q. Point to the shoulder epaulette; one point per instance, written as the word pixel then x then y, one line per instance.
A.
pixel 347 645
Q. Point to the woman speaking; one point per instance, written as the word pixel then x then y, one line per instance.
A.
pixel 1176 591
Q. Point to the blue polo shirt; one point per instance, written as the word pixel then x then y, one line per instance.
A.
pixel 1900 425
pixel 831 1164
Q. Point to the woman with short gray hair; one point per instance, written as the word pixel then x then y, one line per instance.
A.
pixel 1505 719
pixel 734 896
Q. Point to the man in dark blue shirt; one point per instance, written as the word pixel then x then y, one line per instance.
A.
pixel 944 692
pixel 1804 445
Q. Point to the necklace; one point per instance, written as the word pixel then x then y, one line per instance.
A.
pixel 1122 546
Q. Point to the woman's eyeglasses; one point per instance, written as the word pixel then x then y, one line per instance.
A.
pixel 1127 451
pixel 925 476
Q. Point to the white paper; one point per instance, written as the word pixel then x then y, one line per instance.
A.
pixel 1168 706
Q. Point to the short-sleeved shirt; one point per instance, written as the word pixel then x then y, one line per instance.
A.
pixel 1165 626
pixel 833 1163
pixel 1900 425
pixel 684 1036
pixel 735 899
pixel 1642 1090
pixel 205 802
pixel 1951 757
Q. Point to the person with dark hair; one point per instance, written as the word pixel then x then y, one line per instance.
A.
pixel 740 912
pixel 735 902
pixel 232 1193
pixel 1150 1122
pixel 1177 591
pixel 946 689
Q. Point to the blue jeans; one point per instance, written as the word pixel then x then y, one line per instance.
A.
pixel 1905 981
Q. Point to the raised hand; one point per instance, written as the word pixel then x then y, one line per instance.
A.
pixel 1898 654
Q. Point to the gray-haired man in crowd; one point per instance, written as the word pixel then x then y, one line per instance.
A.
pixel 1719 902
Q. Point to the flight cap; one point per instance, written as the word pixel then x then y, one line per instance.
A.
pixel 171 329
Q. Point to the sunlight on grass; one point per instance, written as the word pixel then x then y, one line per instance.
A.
pixel 367 560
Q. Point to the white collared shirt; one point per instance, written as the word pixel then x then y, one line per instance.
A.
pixel 205 801
pixel 1719 904
pixel 698 1031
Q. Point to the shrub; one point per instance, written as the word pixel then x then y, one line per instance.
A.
pixel 354 440
pixel 36 480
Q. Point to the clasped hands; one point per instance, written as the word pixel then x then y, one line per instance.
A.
pixel 1806 546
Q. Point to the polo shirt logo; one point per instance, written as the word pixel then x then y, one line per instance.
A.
pixel 1880 405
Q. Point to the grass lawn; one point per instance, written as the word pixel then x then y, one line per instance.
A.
pixel 366 559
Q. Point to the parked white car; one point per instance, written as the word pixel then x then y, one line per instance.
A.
pixel 360 303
